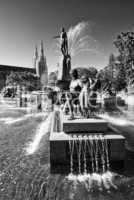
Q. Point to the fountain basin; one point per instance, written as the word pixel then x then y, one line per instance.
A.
pixel 94 143
pixel 59 150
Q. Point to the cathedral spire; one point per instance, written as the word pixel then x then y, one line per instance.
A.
pixel 36 53
pixel 42 49
pixel 42 67
pixel 36 60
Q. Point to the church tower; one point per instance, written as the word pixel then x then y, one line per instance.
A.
pixel 36 60
pixel 42 70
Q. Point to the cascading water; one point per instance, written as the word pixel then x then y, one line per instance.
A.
pixel 89 162
pixel 87 157
pixel 88 154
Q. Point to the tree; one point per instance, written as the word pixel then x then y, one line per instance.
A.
pixel 53 76
pixel 3 75
pixel 120 81
pixel 111 59
pixel 125 45
pixel 90 72
pixel 82 71
pixel 27 79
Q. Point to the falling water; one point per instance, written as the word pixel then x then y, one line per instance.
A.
pixel 89 153
pixel 71 147
pixel 89 162
pixel 79 152
pixel 102 154
pixel 91 150
pixel 96 154
pixel 85 152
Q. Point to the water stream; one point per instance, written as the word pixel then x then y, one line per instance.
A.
pixel 88 153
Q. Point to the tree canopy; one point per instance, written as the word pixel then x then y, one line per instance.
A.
pixel 125 45
pixel 53 76
pixel 90 72
pixel 27 79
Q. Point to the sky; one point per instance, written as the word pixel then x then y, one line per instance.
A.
pixel 23 24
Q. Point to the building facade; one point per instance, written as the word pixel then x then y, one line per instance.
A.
pixel 39 69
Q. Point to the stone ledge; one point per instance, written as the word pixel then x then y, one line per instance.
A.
pixel 80 125
pixel 62 136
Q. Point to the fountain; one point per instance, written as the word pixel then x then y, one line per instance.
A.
pixel 89 153
pixel 72 44
pixel 82 146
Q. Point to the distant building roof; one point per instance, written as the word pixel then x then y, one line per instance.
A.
pixel 15 68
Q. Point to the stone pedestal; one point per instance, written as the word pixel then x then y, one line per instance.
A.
pixel 63 84
pixel 82 129
pixel 66 67
pixel 64 79
pixel 79 125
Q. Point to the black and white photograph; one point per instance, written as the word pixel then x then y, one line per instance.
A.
pixel 66 100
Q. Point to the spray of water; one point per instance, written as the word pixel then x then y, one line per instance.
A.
pixel 80 39
pixel 90 181
pixel 43 128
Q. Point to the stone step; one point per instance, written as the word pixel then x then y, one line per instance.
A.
pixel 79 125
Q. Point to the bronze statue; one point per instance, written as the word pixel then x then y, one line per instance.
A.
pixel 64 42
pixel 66 64
pixel 64 75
